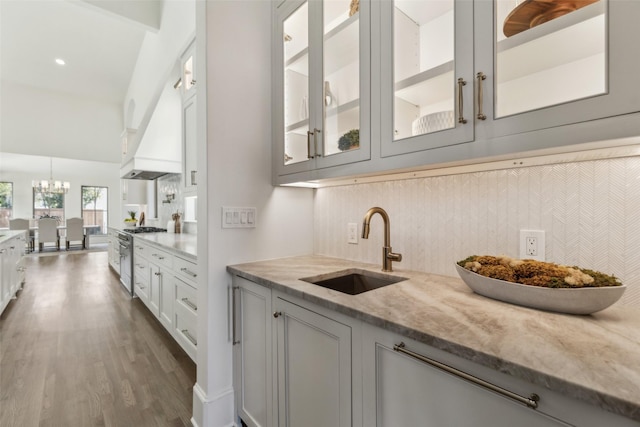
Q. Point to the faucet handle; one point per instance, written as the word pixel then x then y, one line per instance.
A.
pixel 394 257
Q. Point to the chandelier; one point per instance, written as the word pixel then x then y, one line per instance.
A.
pixel 50 186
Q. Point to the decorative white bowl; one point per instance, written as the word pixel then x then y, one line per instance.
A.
pixel 432 122
pixel 562 300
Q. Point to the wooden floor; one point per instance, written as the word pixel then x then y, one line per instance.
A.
pixel 76 350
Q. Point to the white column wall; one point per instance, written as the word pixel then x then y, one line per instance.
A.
pixel 236 157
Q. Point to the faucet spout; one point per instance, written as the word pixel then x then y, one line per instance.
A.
pixel 387 255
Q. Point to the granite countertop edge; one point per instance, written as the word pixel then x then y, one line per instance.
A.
pixel 6 235
pixel 605 399
pixel 184 245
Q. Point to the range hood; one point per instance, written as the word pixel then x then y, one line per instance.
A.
pixel 149 169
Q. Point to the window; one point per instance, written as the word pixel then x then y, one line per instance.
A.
pixel 6 203
pixel 94 209
pixel 47 204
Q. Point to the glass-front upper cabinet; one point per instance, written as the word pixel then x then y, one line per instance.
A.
pixel 427 81
pixel 554 63
pixel 322 84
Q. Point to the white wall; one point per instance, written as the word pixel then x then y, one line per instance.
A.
pixel 589 211
pixel 238 160
pixel 46 123
pixel 22 169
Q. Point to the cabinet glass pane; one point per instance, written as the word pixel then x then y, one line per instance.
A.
pixel 548 53
pixel 341 71
pixel 296 85
pixel 423 67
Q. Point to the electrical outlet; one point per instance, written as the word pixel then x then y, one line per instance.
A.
pixel 352 233
pixel 532 244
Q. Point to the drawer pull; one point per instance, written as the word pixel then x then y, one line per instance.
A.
pixel 186 333
pixel 189 272
pixel 234 339
pixel 480 76
pixel 531 401
pixel 190 304
pixel 277 314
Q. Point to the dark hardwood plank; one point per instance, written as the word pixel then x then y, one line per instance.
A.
pixel 76 350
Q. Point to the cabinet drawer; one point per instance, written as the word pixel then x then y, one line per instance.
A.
pixel 186 296
pixel 160 257
pixel 141 269
pixel 186 270
pixel 186 330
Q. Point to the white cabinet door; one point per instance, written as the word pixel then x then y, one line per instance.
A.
pixel 189 144
pixel 155 281
pixel 427 75
pixel 253 361
pixel 314 368
pixel 322 84
pixel 167 299
pixel 571 69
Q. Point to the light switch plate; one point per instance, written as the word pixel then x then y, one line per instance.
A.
pixel 239 217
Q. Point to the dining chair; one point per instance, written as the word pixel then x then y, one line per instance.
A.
pixel 23 224
pixel 48 232
pixel 75 232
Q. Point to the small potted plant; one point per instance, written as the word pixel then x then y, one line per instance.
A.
pixel 132 220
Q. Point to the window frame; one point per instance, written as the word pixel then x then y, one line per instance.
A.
pixel 103 229
pixel 8 208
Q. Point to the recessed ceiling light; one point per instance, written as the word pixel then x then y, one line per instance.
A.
pixel 60 61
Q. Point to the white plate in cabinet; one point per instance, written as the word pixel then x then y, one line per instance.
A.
pixel 186 296
pixel 185 331
pixel 187 270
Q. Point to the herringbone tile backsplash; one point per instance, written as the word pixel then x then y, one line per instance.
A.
pixel 590 212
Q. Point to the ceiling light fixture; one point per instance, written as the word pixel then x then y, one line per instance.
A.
pixel 60 61
pixel 51 186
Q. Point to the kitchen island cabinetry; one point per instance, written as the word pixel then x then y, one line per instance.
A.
pixel 165 280
pixel 425 316
pixel 113 250
pixel 279 354
pixel 12 244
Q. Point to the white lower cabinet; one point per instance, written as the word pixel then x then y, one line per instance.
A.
pixel 11 268
pixel 294 365
pixel 297 364
pixel 406 389
pixel 167 284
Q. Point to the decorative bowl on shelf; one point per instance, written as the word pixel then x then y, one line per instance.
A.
pixel 432 122
pixel 585 300
pixel 531 13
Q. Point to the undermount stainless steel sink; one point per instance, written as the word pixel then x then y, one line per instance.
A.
pixel 353 281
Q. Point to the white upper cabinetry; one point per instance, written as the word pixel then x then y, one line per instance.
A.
pixel 449 83
pixel 322 85
pixel 188 69
pixel 189 142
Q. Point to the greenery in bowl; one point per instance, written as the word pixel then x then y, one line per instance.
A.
pixel 536 273
pixel 349 140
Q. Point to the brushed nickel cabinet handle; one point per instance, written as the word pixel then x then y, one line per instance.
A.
pixel 531 401
pixel 315 142
pixel 461 118
pixel 193 178
pixel 190 304
pixel 480 76
pixel 189 272
pixel 157 273
pixel 309 156
pixel 277 314
pixel 186 333
pixel 234 339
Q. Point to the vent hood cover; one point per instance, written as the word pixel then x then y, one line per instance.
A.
pixel 149 169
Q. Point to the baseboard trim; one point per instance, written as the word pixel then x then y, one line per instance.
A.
pixel 216 411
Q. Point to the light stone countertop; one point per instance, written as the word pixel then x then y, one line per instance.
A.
pixel 594 358
pixel 181 243
pixel 6 235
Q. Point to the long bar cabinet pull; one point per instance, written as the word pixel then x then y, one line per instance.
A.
pixel 315 142
pixel 190 304
pixel 234 339
pixel 480 76
pixel 531 401
pixel 189 272
pixel 186 333
pixel 309 156
pixel 461 118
